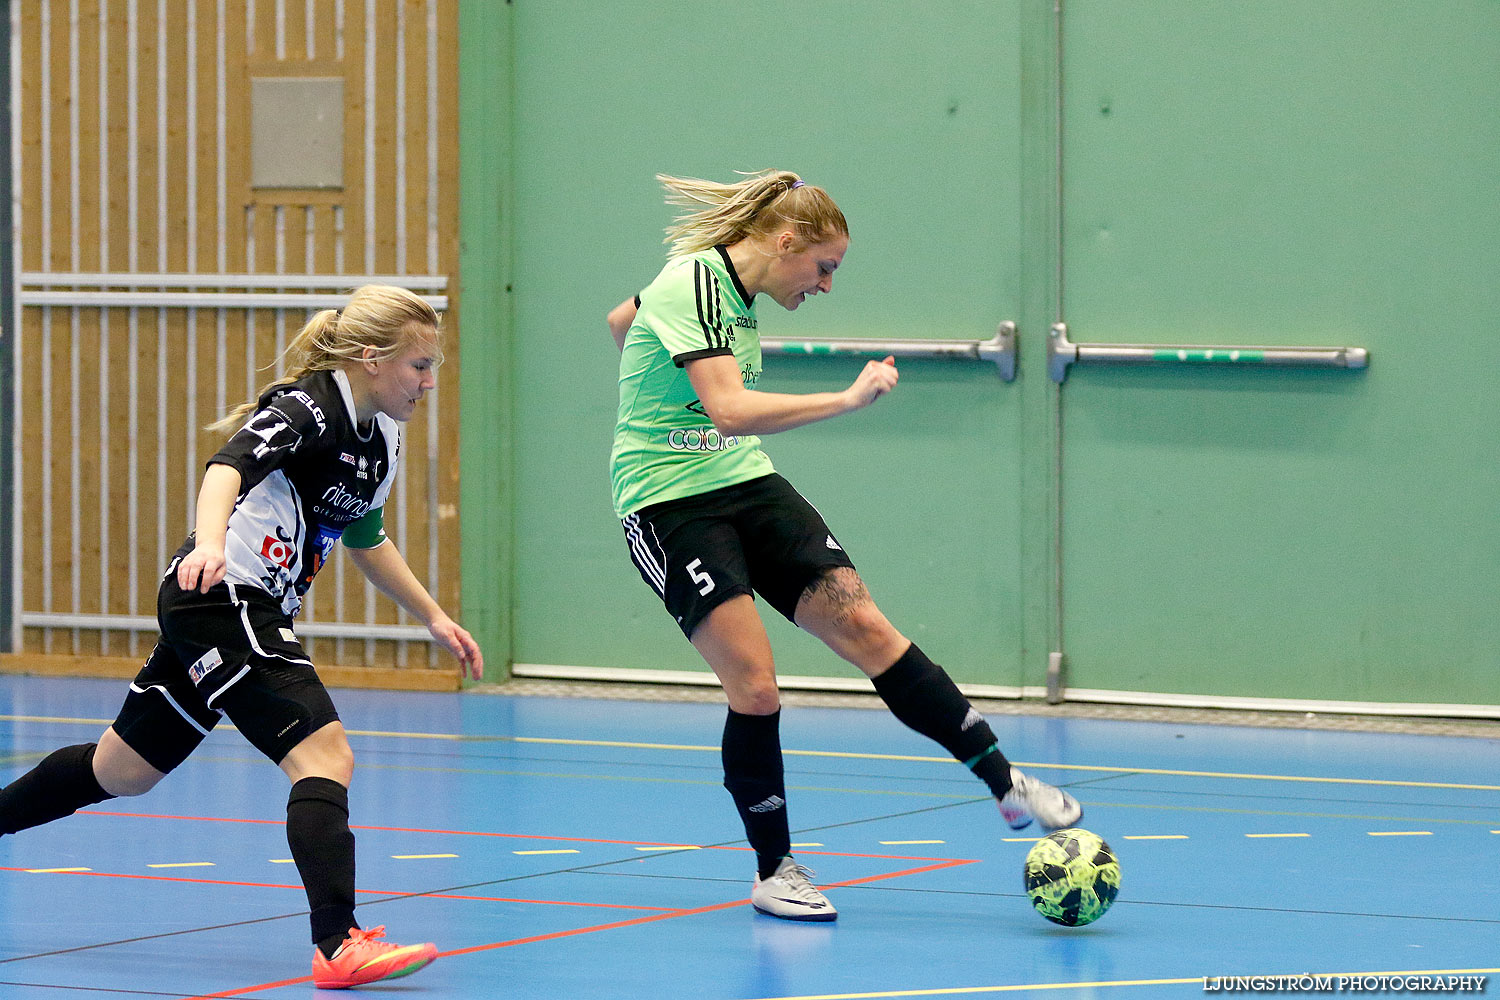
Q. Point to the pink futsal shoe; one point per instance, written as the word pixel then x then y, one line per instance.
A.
pixel 361 959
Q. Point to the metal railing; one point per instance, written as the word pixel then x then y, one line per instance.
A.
pixel 1061 353
pixel 999 349
pixel 315 291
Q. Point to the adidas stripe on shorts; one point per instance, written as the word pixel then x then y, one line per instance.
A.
pixel 760 537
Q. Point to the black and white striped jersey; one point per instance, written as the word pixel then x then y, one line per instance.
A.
pixel 307 471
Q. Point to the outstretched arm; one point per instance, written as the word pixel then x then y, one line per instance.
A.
pixel 384 567
pixel 737 410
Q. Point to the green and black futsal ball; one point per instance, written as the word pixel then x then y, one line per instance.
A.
pixel 1072 877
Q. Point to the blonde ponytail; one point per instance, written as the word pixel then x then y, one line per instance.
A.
pixel 763 203
pixel 383 318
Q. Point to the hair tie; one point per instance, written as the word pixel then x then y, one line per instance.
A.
pixel 795 185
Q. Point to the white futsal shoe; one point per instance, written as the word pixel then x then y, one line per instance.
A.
pixel 1028 797
pixel 789 895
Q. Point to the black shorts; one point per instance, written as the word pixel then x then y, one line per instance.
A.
pixel 229 651
pixel 759 536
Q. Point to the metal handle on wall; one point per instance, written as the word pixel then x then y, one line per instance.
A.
pixel 1062 352
pixel 999 349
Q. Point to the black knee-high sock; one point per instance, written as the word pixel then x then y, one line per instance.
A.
pixel 317 828
pixel 59 786
pixel 922 695
pixel 754 776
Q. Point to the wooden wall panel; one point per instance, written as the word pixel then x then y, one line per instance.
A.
pixel 133 151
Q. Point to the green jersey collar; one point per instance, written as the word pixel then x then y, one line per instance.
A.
pixel 734 276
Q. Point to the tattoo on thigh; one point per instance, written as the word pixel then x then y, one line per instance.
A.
pixel 841 591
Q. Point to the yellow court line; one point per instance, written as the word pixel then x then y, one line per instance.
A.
pixel 567 851
pixel 1020 840
pixel 282 861
pixel 1096 768
pixel 1021 987
pixel 1278 834
pixel 184 864
pixel 50 871
pixel 1099 768
pixel 675 847
pixel 420 857
pixel 1157 836
pixel 1399 833
pixel 812 844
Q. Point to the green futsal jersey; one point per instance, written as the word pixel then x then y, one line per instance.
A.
pixel 665 446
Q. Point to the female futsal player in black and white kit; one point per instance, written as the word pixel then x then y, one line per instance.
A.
pixel 312 465
pixel 709 522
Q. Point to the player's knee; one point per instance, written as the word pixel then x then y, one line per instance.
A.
pixel 340 766
pixel 336 762
pixel 752 692
pixel 324 754
pixel 865 623
pixel 758 699
pixel 860 624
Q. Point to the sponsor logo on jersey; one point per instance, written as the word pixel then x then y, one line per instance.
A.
pixel 278 551
pixel 693 439
pixel 312 407
pixel 344 456
pixel 363 468
pixel 349 504
pixel 328 537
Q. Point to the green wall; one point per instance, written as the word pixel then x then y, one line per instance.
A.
pixel 1318 173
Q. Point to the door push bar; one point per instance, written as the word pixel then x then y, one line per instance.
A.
pixel 1000 349
pixel 1061 352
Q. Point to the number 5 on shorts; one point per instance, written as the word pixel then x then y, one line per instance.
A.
pixel 703 578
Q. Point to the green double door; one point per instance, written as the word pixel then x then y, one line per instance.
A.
pixel 1228 174
pixel 1298 173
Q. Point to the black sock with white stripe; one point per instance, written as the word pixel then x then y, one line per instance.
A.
pixel 59 786
pixel 922 695
pixel 754 776
pixel 317 829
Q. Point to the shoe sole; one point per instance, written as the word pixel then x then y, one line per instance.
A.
pixel 366 982
pixel 408 970
pixel 806 918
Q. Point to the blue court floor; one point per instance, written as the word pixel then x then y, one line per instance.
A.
pixel 573 849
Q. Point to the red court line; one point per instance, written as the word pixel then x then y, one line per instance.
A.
pixel 616 925
pixel 368 892
pixel 510 836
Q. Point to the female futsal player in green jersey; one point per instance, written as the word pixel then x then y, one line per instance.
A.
pixel 708 521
